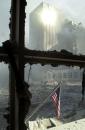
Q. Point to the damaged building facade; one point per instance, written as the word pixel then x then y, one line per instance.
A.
pixel 48 38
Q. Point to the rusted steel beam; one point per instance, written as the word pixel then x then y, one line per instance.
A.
pixel 64 54
pixel 47 57
pixel 17 29
pixel 54 61
pixel 54 58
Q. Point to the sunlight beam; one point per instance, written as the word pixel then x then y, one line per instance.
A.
pixel 49 16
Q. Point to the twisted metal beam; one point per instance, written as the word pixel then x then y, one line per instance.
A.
pixel 54 58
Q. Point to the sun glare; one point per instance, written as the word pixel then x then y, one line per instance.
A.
pixel 48 16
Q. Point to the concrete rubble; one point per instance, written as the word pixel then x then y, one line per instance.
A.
pixel 52 124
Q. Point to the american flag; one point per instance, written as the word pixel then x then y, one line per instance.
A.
pixel 56 101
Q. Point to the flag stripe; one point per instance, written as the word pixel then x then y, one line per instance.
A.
pixel 56 101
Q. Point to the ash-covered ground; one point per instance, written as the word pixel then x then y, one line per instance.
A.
pixel 72 108
pixel 70 97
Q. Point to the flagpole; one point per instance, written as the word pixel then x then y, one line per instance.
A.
pixel 27 118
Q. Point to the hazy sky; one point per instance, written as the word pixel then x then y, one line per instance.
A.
pixel 73 9
pixel 4 19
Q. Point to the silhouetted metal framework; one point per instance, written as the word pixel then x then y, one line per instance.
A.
pixel 54 58
pixel 22 55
